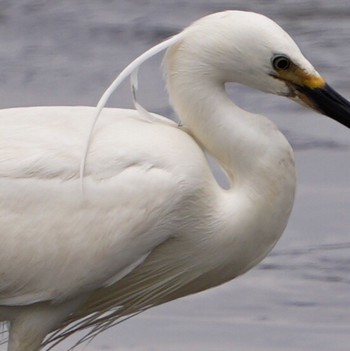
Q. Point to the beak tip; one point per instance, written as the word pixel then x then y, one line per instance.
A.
pixel 327 101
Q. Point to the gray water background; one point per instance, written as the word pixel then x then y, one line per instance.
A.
pixel 67 52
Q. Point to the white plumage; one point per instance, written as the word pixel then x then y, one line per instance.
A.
pixel 152 223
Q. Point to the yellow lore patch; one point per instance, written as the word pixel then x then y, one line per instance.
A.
pixel 298 76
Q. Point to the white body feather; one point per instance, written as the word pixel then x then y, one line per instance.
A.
pixel 146 183
pixel 152 224
pixel 66 243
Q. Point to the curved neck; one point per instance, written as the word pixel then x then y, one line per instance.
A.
pixel 243 143
pixel 256 156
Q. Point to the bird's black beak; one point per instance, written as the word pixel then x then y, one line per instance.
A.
pixel 312 90
pixel 326 101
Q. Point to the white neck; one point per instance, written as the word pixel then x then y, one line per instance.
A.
pixel 240 141
pixel 256 156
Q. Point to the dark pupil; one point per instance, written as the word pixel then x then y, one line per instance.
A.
pixel 281 63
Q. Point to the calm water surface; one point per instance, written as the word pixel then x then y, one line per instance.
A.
pixel 66 53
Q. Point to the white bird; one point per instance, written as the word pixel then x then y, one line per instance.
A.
pixel 152 224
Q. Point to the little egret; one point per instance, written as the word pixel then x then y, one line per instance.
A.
pixel 151 224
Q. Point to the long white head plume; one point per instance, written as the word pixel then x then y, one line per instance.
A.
pixel 145 115
pixel 130 70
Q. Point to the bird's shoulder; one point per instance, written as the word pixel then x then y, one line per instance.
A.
pixel 48 142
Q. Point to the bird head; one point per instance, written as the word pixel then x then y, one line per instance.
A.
pixel 251 49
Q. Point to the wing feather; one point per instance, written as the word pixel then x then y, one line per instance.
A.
pixel 55 241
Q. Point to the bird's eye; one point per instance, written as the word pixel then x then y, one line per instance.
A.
pixel 281 62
